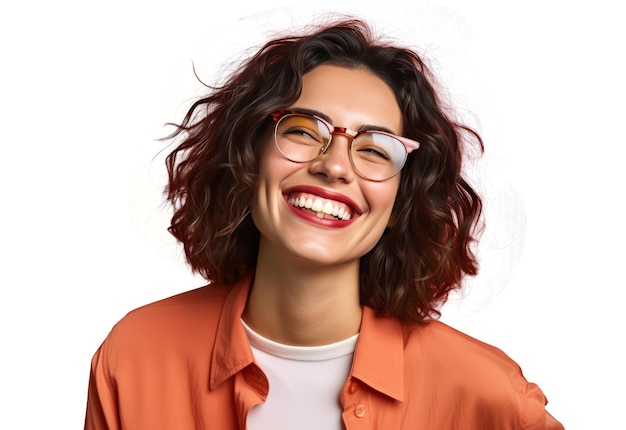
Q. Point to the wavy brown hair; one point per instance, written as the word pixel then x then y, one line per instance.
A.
pixel 427 248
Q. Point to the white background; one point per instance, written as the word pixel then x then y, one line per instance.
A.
pixel 85 87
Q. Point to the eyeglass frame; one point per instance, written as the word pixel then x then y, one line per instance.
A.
pixel 409 144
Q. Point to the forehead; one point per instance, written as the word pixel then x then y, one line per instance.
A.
pixel 350 97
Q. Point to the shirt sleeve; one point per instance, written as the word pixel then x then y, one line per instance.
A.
pixel 102 405
pixel 552 423
pixel 534 413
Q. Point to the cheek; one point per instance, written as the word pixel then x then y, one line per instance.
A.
pixel 384 195
pixel 263 149
pixel 262 154
pixel 269 163
pixel 270 160
pixel 273 168
pixel 393 216
pixel 381 198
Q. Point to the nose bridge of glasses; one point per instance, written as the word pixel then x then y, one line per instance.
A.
pixel 342 131
pixel 337 132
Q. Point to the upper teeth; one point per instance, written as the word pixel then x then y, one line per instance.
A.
pixel 321 207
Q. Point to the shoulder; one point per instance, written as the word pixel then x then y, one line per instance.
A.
pixel 462 368
pixel 461 359
pixel 174 321
pixel 199 303
pixel 192 302
pixel 439 342
pixel 157 353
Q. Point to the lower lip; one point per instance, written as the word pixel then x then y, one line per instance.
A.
pixel 331 223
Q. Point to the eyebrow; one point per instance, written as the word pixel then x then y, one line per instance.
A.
pixel 363 127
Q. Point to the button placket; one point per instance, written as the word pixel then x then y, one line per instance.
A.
pixel 355 396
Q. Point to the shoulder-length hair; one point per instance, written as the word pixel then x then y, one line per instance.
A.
pixel 427 248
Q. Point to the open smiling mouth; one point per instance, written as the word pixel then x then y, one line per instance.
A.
pixel 322 208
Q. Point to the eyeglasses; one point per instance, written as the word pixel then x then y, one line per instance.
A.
pixel 375 155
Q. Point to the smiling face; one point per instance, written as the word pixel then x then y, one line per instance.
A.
pixel 322 211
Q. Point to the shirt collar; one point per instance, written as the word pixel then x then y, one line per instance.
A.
pixel 232 351
pixel 378 357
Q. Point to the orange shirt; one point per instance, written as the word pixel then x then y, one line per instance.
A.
pixel 185 363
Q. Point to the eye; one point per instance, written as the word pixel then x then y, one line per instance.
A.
pixel 374 151
pixel 374 148
pixel 302 134
pixel 303 130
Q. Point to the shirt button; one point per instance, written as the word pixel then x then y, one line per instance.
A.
pixel 360 411
pixel 353 387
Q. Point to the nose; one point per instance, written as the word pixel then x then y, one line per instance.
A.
pixel 334 164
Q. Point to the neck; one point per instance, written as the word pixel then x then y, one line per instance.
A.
pixel 296 303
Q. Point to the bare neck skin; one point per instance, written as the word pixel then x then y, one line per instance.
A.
pixel 298 303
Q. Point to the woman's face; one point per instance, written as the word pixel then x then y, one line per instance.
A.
pixel 351 98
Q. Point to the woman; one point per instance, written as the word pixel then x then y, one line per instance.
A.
pixel 319 191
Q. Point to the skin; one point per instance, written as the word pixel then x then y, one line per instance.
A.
pixel 306 286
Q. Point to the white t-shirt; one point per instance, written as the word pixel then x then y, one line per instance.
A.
pixel 304 384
